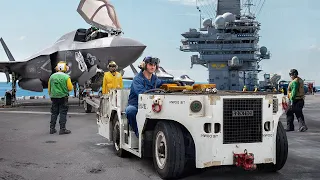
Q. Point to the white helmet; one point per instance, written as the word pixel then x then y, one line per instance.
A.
pixel 62 66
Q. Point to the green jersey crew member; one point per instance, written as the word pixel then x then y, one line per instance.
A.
pixel 59 86
pixel 296 97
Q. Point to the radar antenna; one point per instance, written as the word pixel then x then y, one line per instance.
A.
pixel 248 5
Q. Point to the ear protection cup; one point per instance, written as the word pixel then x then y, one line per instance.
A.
pixel 143 64
pixel 112 63
pixel 62 66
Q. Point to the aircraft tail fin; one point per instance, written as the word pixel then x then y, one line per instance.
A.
pixel 6 49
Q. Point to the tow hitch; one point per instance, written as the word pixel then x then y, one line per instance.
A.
pixel 244 160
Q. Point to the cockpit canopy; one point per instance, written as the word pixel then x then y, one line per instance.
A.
pixel 85 35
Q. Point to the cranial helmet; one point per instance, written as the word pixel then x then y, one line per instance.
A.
pixel 149 60
pixel 94 28
pixel 62 67
pixel 293 72
pixel 112 63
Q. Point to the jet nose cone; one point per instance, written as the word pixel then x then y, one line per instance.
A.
pixel 122 42
pixel 126 51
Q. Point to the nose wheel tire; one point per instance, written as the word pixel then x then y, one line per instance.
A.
pixel 168 150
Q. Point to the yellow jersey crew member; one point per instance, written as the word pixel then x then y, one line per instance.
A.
pixel 296 97
pixel 59 86
pixel 112 79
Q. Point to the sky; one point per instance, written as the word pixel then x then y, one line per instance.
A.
pixel 289 29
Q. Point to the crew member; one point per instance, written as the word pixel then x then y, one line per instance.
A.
pixel 274 89
pixel 282 90
pixel 59 86
pixel 91 33
pixel 255 88
pixel 244 88
pixel 296 96
pixel 142 82
pixel 112 79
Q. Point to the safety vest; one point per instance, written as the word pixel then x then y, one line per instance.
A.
pixel 300 89
pixel 111 81
pixel 58 85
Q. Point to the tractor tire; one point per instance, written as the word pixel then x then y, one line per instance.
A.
pixel 116 138
pixel 168 150
pixel 281 151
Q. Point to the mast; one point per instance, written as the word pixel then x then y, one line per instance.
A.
pixel 231 6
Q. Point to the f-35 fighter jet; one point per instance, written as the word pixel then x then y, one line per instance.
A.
pixel 86 51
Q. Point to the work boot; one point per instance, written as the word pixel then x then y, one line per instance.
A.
pixel 64 131
pixel 302 126
pixel 52 131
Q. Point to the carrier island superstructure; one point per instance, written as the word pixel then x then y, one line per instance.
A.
pixel 228 47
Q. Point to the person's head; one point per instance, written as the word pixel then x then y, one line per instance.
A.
pixel 62 67
pixel 112 66
pixel 293 73
pixel 150 64
pixel 94 28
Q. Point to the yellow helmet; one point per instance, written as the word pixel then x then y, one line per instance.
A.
pixel 62 67
pixel 112 63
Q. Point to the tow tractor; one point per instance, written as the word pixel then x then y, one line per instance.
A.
pixel 91 101
pixel 183 127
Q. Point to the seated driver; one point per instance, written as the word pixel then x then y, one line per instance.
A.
pixel 142 82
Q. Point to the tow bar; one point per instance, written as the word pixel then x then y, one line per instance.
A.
pixel 244 160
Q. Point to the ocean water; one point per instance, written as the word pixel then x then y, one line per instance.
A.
pixel 21 92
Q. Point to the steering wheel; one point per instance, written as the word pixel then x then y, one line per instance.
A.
pixel 154 90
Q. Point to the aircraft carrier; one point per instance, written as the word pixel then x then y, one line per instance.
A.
pixel 227 44
pixel 29 152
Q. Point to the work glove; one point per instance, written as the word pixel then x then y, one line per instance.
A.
pixel 290 104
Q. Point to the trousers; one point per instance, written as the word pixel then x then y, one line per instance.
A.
pixel 131 113
pixel 296 110
pixel 59 107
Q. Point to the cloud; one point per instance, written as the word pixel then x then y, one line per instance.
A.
pixel 314 48
pixel 21 38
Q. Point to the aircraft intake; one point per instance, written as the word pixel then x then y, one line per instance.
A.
pixel 31 85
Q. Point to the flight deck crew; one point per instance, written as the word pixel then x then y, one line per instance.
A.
pixel 296 97
pixel 145 80
pixel 112 79
pixel 59 86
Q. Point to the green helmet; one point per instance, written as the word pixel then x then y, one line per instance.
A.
pixel 94 28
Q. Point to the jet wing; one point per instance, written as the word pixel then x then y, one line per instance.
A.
pixel 99 13
pixel 6 66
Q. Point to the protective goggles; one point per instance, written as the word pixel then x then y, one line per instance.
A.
pixel 151 60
